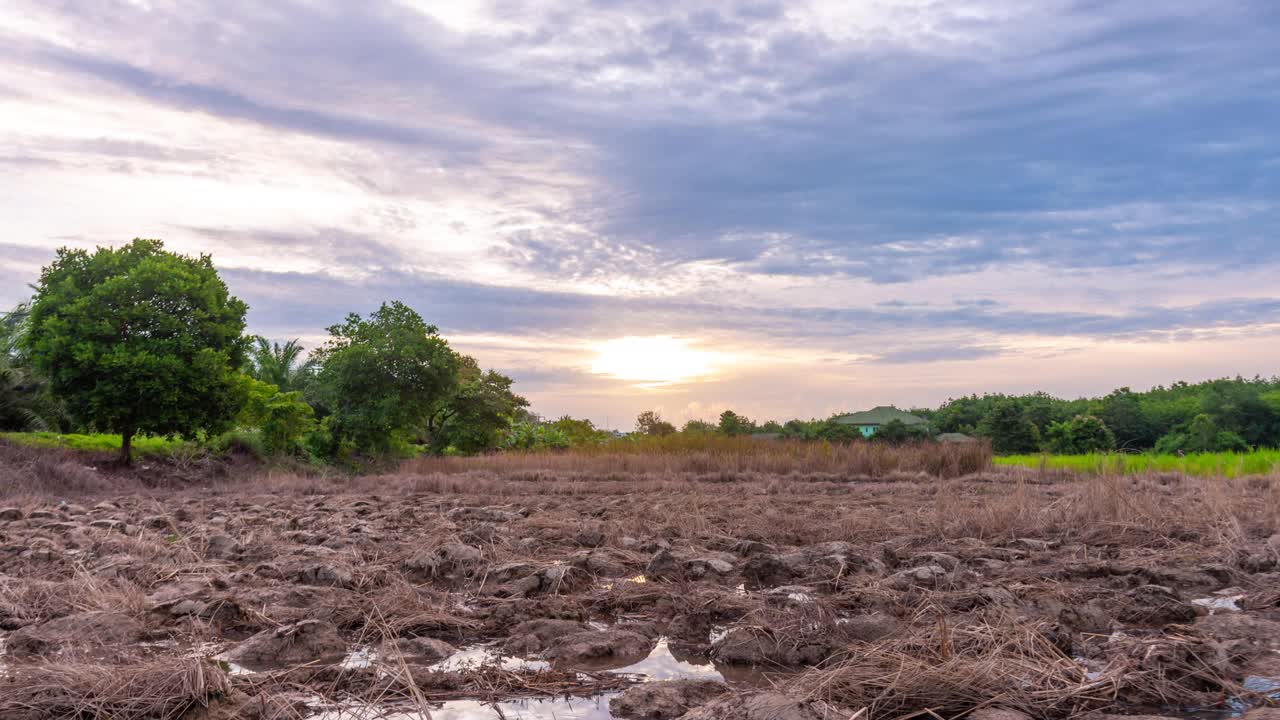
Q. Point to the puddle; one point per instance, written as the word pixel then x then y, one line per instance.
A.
pixel 592 708
pixel 1226 603
pixel 667 663
pixel 361 657
pixel 1268 686
pixel 479 655
pixel 230 667
pixel 637 580
pixel 662 664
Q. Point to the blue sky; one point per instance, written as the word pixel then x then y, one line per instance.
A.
pixel 785 208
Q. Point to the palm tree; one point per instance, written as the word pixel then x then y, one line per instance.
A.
pixel 22 393
pixel 12 325
pixel 280 365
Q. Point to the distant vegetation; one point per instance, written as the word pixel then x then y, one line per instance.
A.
pixel 1224 464
pixel 139 342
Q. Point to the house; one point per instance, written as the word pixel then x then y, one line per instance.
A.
pixel 955 438
pixel 869 421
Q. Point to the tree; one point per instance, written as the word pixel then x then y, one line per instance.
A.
pixel 1202 434
pixel 699 427
pixel 19 401
pixel 1122 411
pixel 772 426
pixel 26 404
pixel 650 422
pixel 281 365
pixel 1009 429
pixel 896 432
pixel 383 378
pixel 137 339
pixel 731 423
pixel 1080 435
pixel 580 432
pixel 473 418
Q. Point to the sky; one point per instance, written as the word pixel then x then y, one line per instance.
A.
pixel 785 208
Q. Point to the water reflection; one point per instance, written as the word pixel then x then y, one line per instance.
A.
pixel 666 662
pixel 593 708
pixel 663 663
pixel 478 655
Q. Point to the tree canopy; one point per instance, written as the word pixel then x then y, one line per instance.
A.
pixel 138 339
pixel 384 377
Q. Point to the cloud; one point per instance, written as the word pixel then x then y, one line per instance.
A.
pixel 301 301
pixel 929 181
pixel 937 354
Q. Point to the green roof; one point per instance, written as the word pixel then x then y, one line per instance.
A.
pixel 881 416
pixel 955 438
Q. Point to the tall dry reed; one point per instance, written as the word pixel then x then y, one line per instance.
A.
pixel 731 456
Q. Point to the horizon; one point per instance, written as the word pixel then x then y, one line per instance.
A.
pixel 784 209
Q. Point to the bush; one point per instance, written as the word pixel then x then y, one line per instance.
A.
pixel 245 441
pixel 1080 435
pixel 535 436
pixel 896 432
pixel 282 418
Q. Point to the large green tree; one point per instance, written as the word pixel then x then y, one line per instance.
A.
pixel 384 377
pixel 136 339
pixel 474 416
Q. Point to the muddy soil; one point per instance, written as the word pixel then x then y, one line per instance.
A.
pixel 695 597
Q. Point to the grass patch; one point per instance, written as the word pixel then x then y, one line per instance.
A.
pixel 96 442
pixel 1224 464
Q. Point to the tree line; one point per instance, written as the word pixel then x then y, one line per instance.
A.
pixel 138 340
pixel 1229 414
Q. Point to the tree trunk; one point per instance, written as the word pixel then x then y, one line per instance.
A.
pixel 126 447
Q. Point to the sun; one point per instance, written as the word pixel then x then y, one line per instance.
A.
pixel 659 359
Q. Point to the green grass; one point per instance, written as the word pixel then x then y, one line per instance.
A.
pixel 142 445
pixel 1228 464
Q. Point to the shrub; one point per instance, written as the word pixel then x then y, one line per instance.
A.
pixel 282 418
pixel 535 436
pixel 1080 435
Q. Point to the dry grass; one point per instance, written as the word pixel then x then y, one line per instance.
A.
pixel 161 690
pixel 728 457
pixel 943 670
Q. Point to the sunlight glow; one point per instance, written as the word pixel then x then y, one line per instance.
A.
pixel 660 359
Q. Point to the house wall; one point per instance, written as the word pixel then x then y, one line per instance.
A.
pixel 867 430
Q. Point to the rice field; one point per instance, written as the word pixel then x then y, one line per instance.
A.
pixel 1226 464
